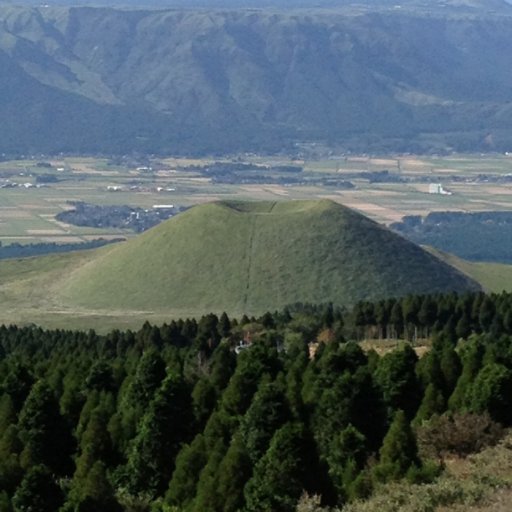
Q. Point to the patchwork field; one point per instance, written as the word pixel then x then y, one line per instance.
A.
pixel 29 201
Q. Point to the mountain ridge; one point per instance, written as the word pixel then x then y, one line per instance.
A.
pixel 112 80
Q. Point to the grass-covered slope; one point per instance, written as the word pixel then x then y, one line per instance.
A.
pixel 253 257
pixel 492 277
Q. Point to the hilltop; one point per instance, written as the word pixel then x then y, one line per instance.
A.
pixel 428 76
pixel 233 256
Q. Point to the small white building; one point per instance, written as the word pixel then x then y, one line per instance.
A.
pixel 437 188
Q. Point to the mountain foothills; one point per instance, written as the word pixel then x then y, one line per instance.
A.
pixel 373 76
pixel 173 419
pixel 238 257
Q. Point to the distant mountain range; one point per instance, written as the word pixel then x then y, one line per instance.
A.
pixel 281 4
pixel 408 76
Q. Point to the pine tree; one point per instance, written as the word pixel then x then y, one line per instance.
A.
pixel 451 368
pixel 207 497
pixel 278 478
pixel 5 502
pixel 346 459
pixel 7 412
pixel 148 377
pixel 486 313
pixel 37 492
pixel 10 468
pixel 234 471
pixel 463 327
pixel 267 413
pixel 399 451
pixel 433 403
pixel 204 398
pixel 397 378
pixel 189 464
pixel 18 384
pixel 95 444
pixel 92 492
pixel 224 326
pixel 162 431
pixel 472 356
pixel 492 392
pixel 44 432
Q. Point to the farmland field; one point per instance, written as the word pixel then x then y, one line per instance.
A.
pixel 29 203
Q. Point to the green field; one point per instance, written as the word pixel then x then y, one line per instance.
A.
pixel 493 277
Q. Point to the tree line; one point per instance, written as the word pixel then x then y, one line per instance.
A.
pixel 171 418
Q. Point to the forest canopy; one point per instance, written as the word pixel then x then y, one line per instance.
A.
pixel 221 414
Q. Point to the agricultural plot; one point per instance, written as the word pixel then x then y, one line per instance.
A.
pixel 385 188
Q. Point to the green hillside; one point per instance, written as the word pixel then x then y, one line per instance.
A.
pixel 492 277
pixel 253 257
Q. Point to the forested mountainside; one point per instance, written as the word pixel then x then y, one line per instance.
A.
pixel 245 415
pixel 426 76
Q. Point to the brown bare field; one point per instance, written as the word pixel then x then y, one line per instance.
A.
pixel 374 210
pixel 383 161
pixel 44 232
pixel 14 214
pixel 502 190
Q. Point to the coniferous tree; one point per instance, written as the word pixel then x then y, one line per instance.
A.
pixel 224 326
pixel 472 356
pixel 44 433
pixel 451 368
pixel 207 497
pixel 492 392
pixel 346 460
pixel 204 398
pixel 396 319
pixel 427 314
pixel 93 492
pixel 148 377
pixel 267 413
pixel 222 366
pixel 95 444
pixel 251 366
pixel 234 471
pixel 278 478
pixel 397 378
pixel 100 377
pixel 486 313
pixel 17 385
pixel 5 502
pixel 37 492
pixel 11 471
pixel 463 326
pixel 7 412
pixel 163 429
pixel 433 403
pixel 399 451
pixel 189 463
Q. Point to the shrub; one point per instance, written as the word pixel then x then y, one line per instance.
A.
pixel 457 434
